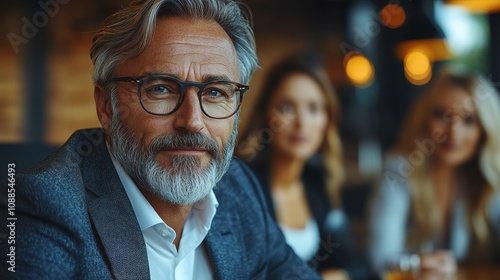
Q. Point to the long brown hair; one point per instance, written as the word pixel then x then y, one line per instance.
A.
pixel 483 171
pixel 255 140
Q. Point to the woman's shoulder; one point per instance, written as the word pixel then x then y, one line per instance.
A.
pixel 396 173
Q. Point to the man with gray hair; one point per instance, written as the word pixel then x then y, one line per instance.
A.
pixel 155 193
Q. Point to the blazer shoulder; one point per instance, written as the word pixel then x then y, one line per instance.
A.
pixel 241 184
pixel 56 183
pixel 240 173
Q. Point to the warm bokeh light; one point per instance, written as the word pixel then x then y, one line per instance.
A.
pixel 359 69
pixel 417 62
pixel 418 68
pixel 11 98
pixel 436 49
pixel 477 6
pixel 392 15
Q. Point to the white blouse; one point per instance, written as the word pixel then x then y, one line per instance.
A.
pixel 304 242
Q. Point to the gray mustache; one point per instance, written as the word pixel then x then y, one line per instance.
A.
pixel 190 140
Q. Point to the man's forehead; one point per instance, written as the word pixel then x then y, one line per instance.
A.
pixel 181 46
pixel 195 45
pixel 194 39
pixel 191 31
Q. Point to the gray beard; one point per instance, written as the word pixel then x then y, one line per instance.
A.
pixel 186 182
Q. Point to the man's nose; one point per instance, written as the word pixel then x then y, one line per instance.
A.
pixel 189 116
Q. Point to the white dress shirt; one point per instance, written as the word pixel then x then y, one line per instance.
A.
pixel 165 262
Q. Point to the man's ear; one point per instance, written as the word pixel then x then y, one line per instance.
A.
pixel 103 106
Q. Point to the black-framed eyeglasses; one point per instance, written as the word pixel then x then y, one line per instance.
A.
pixel 163 94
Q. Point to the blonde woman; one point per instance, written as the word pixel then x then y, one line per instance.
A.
pixel 440 193
pixel 294 148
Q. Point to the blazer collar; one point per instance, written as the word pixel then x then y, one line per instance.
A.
pixel 110 210
pixel 223 245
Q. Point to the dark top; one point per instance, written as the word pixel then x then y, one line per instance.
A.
pixel 74 221
pixel 338 249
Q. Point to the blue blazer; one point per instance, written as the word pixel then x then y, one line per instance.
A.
pixel 75 221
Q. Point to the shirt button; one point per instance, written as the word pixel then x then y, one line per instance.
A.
pixel 163 233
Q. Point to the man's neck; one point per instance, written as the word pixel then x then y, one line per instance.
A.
pixel 174 216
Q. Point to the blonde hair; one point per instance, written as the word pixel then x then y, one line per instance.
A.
pixel 259 134
pixel 483 170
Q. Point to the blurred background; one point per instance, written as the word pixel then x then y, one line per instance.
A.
pixel 380 54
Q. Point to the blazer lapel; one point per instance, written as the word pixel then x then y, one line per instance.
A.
pixel 113 217
pixel 120 237
pixel 224 246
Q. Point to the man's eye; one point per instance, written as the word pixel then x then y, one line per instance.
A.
pixel 214 93
pixel 159 92
pixel 159 89
pixel 217 93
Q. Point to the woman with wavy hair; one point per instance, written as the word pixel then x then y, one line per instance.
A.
pixel 440 193
pixel 294 148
